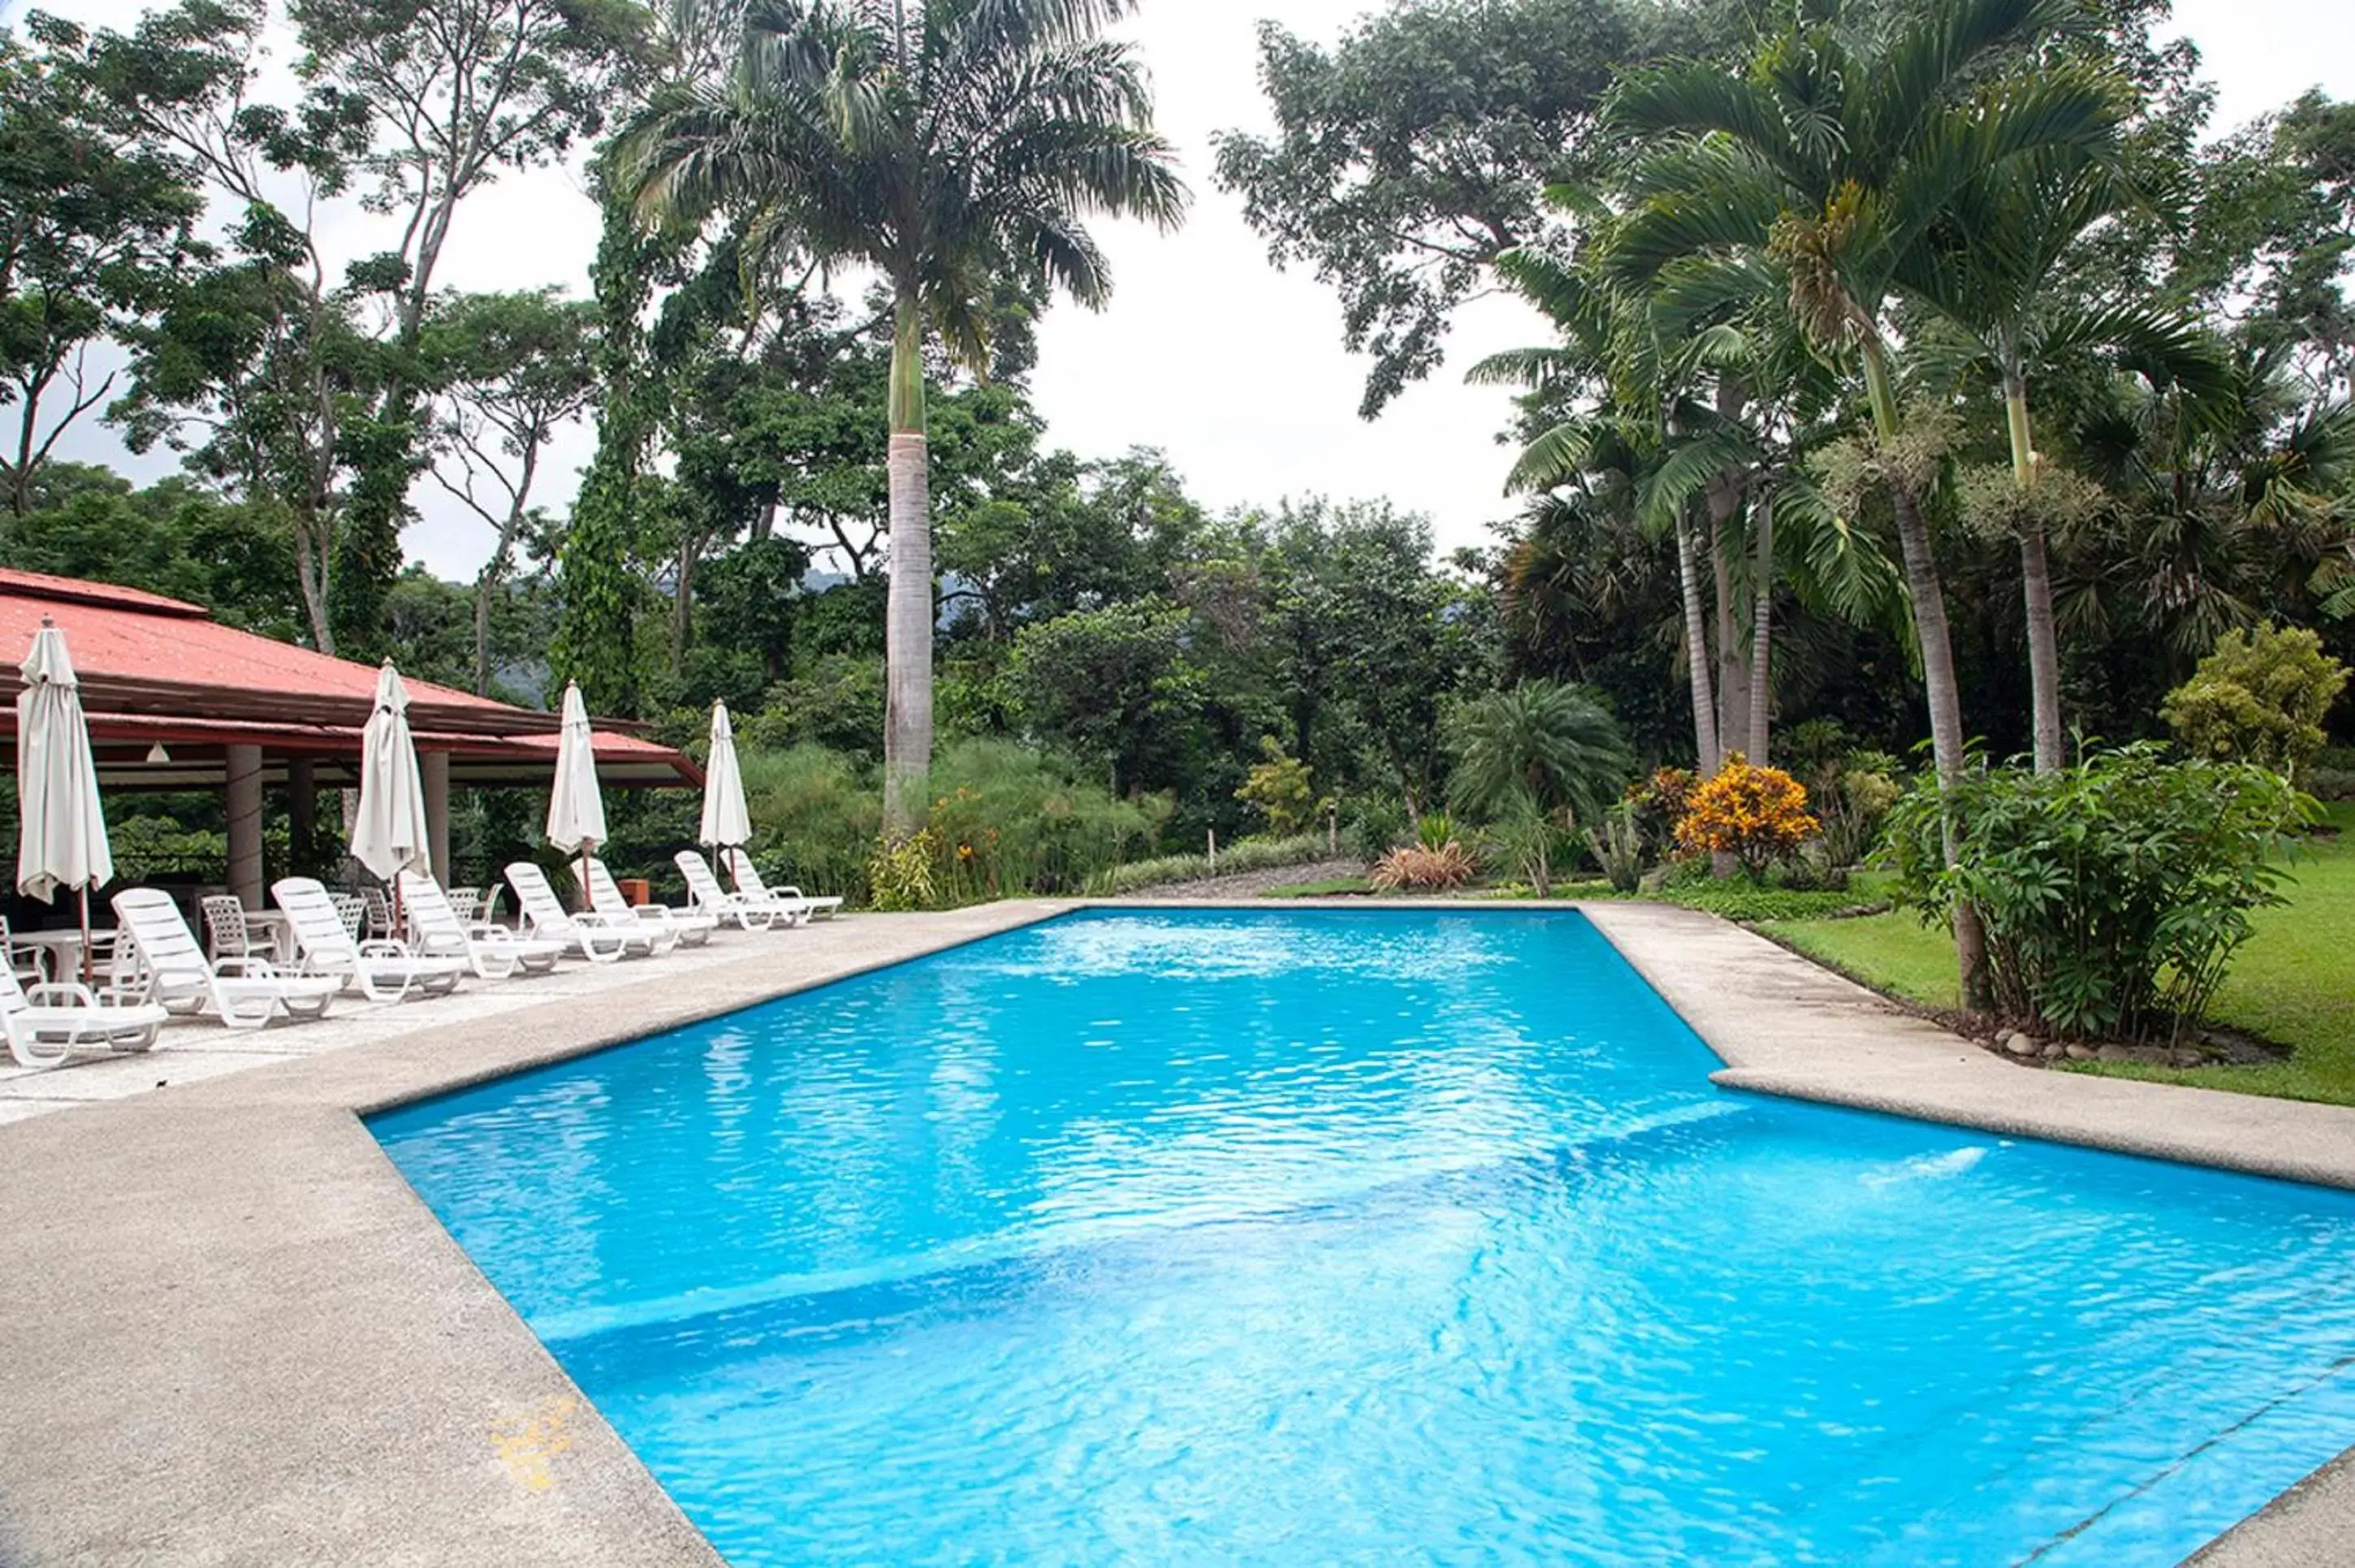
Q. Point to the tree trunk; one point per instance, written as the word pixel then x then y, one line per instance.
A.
pixel 2043 649
pixel 485 581
pixel 2036 583
pixel 1946 742
pixel 1762 620
pixel 1732 671
pixel 908 631
pixel 1937 651
pixel 1704 706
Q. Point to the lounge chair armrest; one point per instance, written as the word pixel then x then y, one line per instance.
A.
pixel 601 921
pixel 75 993
pixel 488 931
pixel 383 947
pixel 247 967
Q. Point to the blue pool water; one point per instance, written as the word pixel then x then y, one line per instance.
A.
pixel 1306 1236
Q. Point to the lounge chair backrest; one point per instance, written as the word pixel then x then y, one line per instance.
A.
pixel 604 892
pixel 225 925
pixel 379 904
pixel 161 934
pixel 540 905
pixel 701 885
pixel 429 909
pixel 12 991
pixel 748 877
pixel 318 929
pixel 352 909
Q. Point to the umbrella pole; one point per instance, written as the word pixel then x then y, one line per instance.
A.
pixel 586 903
pixel 86 969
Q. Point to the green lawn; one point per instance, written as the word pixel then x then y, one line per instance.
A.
pixel 1330 888
pixel 2293 983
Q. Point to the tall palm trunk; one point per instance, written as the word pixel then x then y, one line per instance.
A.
pixel 1704 707
pixel 1732 674
pixel 1762 620
pixel 1937 651
pixel 908 624
pixel 2036 581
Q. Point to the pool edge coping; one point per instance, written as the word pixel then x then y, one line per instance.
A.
pixel 129 1160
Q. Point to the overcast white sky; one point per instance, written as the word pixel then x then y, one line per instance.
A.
pixel 1233 368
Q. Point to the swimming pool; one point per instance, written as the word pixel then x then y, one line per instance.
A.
pixel 1318 1235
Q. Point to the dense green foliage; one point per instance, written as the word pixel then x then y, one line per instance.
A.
pixel 1808 273
pixel 2260 697
pixel 2114 891
pixel 2288 985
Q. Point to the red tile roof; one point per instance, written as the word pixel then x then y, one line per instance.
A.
pixel 145 661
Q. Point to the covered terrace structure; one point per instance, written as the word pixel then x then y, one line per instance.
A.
pixel 175 701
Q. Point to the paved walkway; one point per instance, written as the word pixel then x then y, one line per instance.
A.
pixel 235 1334
pixel 194 1050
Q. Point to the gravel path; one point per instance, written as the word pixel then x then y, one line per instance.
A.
pixel 1251 884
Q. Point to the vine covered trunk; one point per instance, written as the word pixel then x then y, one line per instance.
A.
pixel 1704 708
pixel 908 624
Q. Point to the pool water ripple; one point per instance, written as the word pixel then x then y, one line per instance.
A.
pixel 1294 1236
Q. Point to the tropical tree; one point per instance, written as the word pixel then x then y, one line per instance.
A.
pixel 1542 744
pixel 508 371
pixel 951 145
pixel 1995 270
pixel 1833 159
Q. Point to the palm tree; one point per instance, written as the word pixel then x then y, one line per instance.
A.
pixel 1833 158
pixel 1994 272
pixel 954 146
pixel 1550 747
pixel 1651 444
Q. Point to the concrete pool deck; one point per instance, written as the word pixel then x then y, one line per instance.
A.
pixel 235 1334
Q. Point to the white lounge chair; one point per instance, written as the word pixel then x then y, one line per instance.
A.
pixel 600 938
pixel 749 884
pixel 52 1020
pixel 382 970
pixel 495 952
pixel 246 992
pixel 705 894
pixel 689 927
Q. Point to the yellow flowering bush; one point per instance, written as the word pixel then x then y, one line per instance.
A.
pixel 1757 814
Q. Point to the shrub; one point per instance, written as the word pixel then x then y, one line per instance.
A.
pixel 1279 789
pixel 1376 825
pixel 1740 901
pixel 900 873
pixel 1757 814
pixel 1533 843
pixel 1244 855
pixel 1435 830
pixel 1540 745
pixel 1852 807
pixel 1660 801
pixel 1619 847
pixel 815 818
pixel 2259 697
pixel 1417 868
pixel 1010 819
pixel 2113 893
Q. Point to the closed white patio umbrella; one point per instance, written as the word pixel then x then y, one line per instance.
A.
pixel 726 825
pixel 390 833
pixel 61 840
pixel 576 810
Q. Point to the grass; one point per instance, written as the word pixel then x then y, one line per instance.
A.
pixel 1330 888
pixel 2293 983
